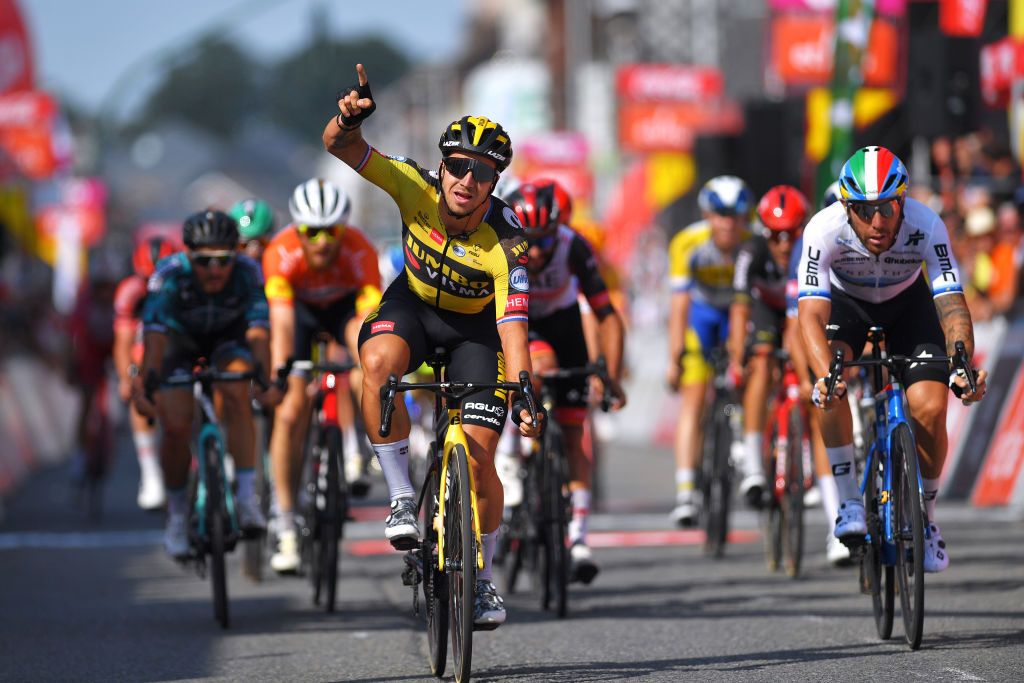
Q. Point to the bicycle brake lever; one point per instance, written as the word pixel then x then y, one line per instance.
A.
pixel 387 405
pixel 960 362
pixel 834 370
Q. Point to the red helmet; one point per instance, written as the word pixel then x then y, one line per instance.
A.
pixel 783 208
pixel 537 208
pixel 561 197
pixel 148 252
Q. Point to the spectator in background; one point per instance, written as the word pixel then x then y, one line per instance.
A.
pixel 980 226
pixel 1006 259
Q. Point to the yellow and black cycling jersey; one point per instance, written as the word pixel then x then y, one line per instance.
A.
pixel 460 273
pixel 697 266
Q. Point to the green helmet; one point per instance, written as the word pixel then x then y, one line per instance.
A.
pixel 255 218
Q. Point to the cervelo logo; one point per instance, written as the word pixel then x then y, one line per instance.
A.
pixel 519 279
pixel 382 326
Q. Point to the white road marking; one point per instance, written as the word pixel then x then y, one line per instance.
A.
pixel 962 675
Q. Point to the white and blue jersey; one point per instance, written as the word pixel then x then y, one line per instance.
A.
pixel 833 256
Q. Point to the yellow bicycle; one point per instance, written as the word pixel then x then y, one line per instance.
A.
pixel 451 520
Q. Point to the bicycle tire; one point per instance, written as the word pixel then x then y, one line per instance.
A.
pixel 255 549
pixel 716 502
pixel 771 516
pixel 333 525
pixel 555 551
pixel 217 521
pixel 435 587
pixel 876 578
pixel 460 561
pixel 909 515
pixel 793 496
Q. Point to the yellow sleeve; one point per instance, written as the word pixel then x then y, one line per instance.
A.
pixel 398 176
pixel 679 251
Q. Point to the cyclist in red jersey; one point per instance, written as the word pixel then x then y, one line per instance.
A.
pixel 127 352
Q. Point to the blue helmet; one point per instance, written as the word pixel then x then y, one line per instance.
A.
pixel 726 194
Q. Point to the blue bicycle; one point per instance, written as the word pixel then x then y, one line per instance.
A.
pixel 893 500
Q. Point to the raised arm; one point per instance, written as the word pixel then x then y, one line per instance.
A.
pixel 343 135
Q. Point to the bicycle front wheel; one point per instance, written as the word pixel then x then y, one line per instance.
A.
pixel 435 588
pixel 556 553
pixel 460 561
pixel 716 496
pixel 908 518
pixel 335 503
pixel 216 521
pixel 877 580
pixel 771 516
pixel 793 498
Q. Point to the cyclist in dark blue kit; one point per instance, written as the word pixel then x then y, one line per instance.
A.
pixel 207 302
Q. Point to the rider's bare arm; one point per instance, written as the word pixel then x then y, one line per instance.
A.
pixel 739 315
pixel 282 337
pixel 679 310
pixel 812 317
pixel 955 319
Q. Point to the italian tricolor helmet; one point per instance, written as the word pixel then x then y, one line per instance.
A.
pixel 479 135
pixel 872 174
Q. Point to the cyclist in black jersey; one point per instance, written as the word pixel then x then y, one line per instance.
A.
pixel 459 289
pixel 757 319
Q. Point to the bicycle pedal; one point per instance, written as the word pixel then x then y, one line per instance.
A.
pixel 485 627
pixel 404 543
pixel 854 543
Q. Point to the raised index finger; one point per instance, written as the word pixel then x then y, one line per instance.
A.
pixel 362 74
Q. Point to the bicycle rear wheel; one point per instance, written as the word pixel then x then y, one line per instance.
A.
pixel 555 551
pixel 716 488
pixel 877 580
pixel 771 516
pixel 793 497
pixel 909 534
pixel 435 588
pixel 460 561
pixel 216 527
pixel 332 525
pixel 253 558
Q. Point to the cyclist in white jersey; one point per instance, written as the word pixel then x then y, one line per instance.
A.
pixel 862 266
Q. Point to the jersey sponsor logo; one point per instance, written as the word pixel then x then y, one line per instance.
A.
pixel 945 262
pixel 813 266
pixel 485 418
pixel 517 303
pixel 436 236
pixel 458 250
pixel 398 158
pixel 511 218
pixel 914 238
pixel 524 259
pixel 840 469
pixel 486 407
pixel 382 326
pixel 519 279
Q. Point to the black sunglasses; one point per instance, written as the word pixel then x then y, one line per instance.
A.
pixel 460 166
pixel 867 211
pixel 222 259
pixel 544 242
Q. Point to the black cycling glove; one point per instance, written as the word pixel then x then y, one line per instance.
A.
pixel 519 404
pixel 958 390
pixel 364 92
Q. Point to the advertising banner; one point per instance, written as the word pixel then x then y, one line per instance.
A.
pixel 15 50
pixel 669 82
pixel 888 8
pixel 962 18
pixel 802 51
pixel 30 133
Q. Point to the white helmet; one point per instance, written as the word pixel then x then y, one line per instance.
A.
pixel 831 195
pixel 726 194
pixel 507 184
pixel 319 203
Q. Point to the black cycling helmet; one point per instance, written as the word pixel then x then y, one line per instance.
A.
pixel 480 135
pixel 210 229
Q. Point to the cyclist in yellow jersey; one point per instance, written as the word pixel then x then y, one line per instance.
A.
pixel 465 257
pixel 701 265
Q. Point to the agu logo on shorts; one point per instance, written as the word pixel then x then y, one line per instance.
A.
pixel 519 279
pixel 382 326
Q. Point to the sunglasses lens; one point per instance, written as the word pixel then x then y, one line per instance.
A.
pixel 542 242
pixel 206 260
pixel 459 166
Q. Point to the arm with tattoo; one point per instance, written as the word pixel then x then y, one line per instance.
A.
pixel 956 323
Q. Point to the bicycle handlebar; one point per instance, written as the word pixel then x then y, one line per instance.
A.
pixel 451 391
pixel 895 364
pixel 598 368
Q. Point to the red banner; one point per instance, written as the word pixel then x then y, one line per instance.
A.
pixel 669 82
pixel 962 18
pixel 1005 453
pixel 802 51
pixel 15 50
pixel 82 200
pixel 28 122
pixel 1001 62
pixel 671 126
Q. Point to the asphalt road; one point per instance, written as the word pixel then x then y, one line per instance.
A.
pixel 100 602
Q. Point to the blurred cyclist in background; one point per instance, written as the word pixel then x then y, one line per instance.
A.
pixel 701 268
pixel 256 226
pixel 323 276
pixel 128 303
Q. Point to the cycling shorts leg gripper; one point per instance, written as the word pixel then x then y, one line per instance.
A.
pixel 399 315
pixel 563 332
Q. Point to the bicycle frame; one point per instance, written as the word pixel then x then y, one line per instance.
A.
pixel 788 399
pixel 210 429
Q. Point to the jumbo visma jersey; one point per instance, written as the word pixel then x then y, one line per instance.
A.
pixel 460 273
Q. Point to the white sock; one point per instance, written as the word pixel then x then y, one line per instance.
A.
pixel 684 481
pixel 352 449
pixel 285 521
pixel 931 492
pixel 489 543
pixel 829 499
pixel 177 501
pixel 753 443
pixel 246 480
pixel 580 516
pixel 145 449
pixel 843 471
pixel 508 442
pixel 394 462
